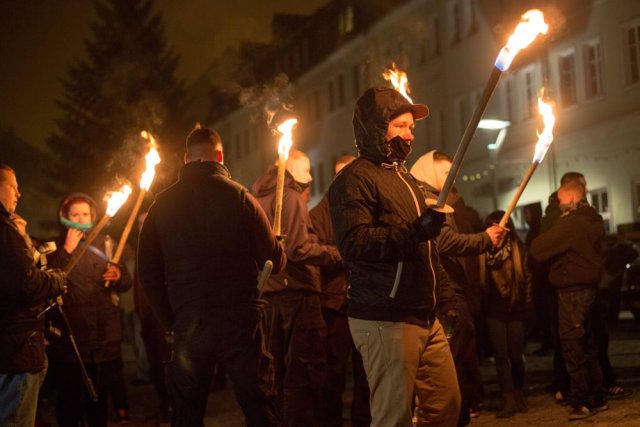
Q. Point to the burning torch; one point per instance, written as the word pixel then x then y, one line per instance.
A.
pixel 545 138
pixel 152 159
pixel 284 145
pixel 399 80
pixel 531 24
pixel 115 200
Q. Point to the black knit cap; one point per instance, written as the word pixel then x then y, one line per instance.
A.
pixel 203 136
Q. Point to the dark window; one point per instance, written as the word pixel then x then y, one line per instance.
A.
pixel 567 71
pixel 592 69
pixel 633 54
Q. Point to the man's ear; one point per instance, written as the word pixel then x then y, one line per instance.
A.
pixel 219 156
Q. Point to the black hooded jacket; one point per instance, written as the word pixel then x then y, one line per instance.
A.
pixel 374 203
pixel 204 240
pixel 305 254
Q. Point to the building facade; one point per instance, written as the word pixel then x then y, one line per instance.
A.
pixel 589 64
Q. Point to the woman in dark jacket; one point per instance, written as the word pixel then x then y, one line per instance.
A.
pixel 508 291
pixel 93 314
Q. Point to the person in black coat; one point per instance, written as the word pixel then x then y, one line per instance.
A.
pixel 24 289
pixel 508 295
pixel 296 329
pixel 93 314
pixel 572 245
pixel 200 251
pixel 385 232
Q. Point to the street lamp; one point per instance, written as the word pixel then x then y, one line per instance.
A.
pixel 494 149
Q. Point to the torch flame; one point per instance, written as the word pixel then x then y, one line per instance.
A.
pixel 531 24
pixel 152 159
pixel 398 79
pixel 117 199
pixel 545 138
pixel 286 140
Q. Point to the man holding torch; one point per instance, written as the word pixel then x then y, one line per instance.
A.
pixel 385 233
pixel 200 251
pixel 24 288
pixel 456 249
pixel 294 322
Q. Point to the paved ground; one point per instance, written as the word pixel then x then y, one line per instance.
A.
pixel 222 411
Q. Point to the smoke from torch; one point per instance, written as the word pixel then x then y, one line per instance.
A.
pixel 545 138
pixel 398 79
pixel 531 25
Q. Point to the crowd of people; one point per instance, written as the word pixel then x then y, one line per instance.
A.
pixel 375 275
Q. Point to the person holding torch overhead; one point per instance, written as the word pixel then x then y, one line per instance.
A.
pixel 385 232
pixel 200 251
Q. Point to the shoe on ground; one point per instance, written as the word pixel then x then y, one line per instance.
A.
pixel 580 413
pixel 561 398
pixel 616 392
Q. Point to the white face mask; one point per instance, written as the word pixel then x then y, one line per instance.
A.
pixel 300 168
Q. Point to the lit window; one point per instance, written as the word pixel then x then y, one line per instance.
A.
pixel 599 200
pixel 567 74
pixel 592 59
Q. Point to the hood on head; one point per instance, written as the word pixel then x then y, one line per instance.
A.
pixel 63 210
pixel 424 170
pixel 373 112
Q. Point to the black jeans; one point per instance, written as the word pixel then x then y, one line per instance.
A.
pixel 465 357
pixel 508 345
pixel 158 354
pixel 205 335
pixel 575 328
pixel 297 339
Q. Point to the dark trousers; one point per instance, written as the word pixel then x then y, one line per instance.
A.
pixel 74 407
pixel 463 350
pixel 339 347
pixel 601 338
pixel 204 335
pixel 297 340
pixel 508 345
pixel 158 353
pixel 575 328
pixel 118 390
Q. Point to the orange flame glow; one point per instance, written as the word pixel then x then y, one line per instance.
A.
pixel 117 198
pixel 531 24
pixel 152 159
pixel 286 140
pixel 398 79
pixel 545 138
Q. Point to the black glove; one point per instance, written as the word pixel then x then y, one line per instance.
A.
pixel 59 281
pixel 428 225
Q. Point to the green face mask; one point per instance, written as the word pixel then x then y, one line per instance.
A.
pixel 72 224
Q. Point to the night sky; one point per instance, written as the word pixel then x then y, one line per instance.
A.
pixel 40 38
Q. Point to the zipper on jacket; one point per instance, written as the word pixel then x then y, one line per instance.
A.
pixel 399 272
